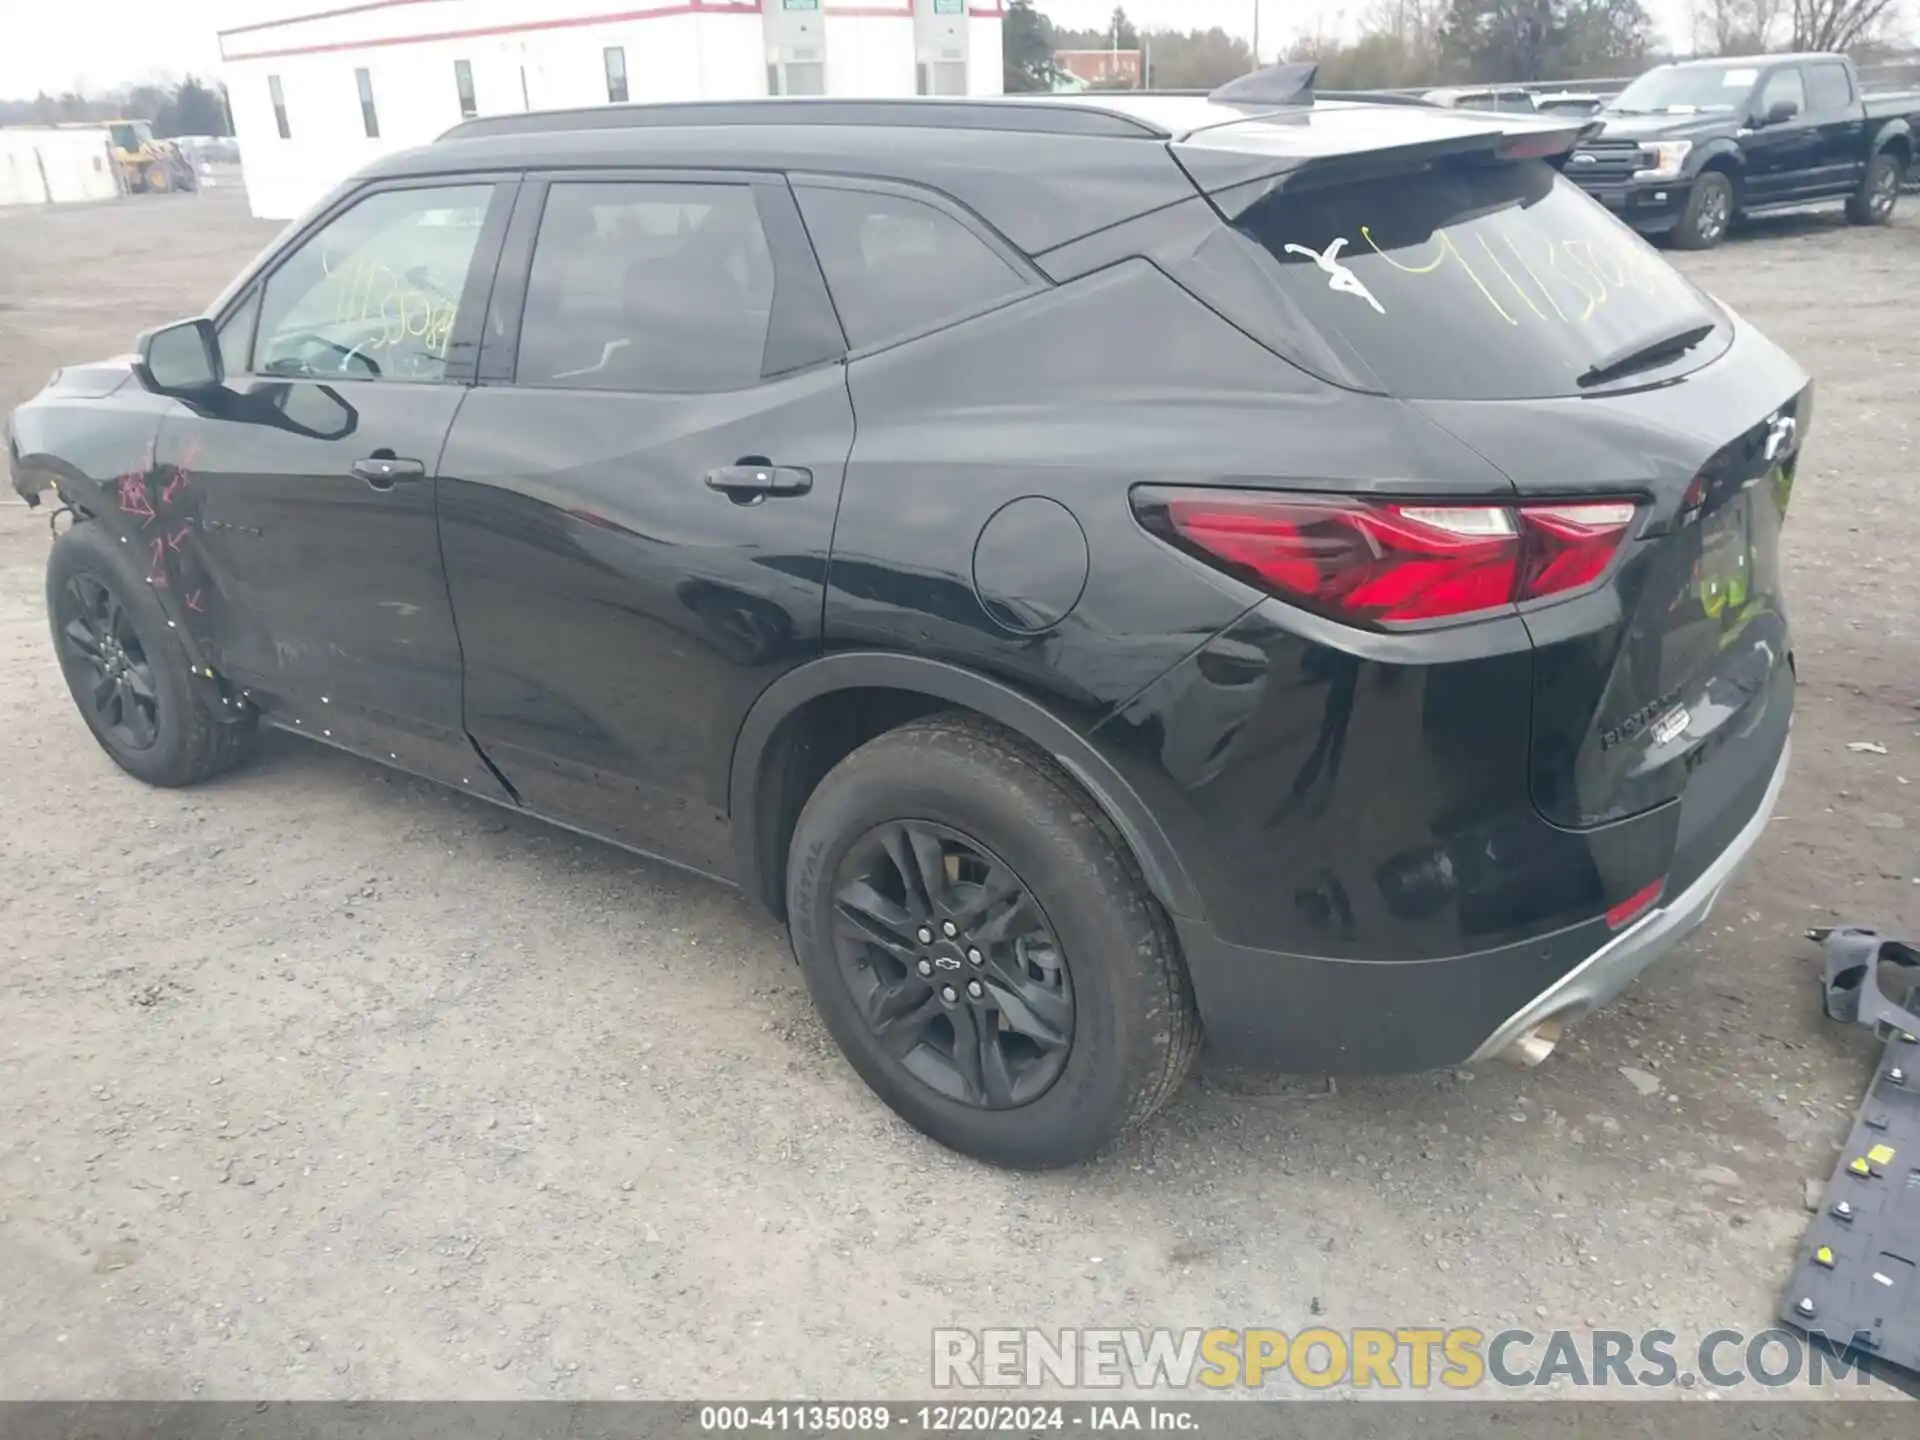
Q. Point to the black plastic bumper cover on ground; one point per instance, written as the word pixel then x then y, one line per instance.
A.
pixel 1856 1281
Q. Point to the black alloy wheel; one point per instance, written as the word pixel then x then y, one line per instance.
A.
pixel 1872 203
pixel 983 948
pixel 1709 212
pixel 121 690
pixel 129 676
pixel 1883 190
pixel 1716 210
pixel 953 965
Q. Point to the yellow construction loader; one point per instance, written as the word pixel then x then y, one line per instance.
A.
pixel 146 165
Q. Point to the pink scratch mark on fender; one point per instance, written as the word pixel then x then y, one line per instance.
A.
pixel 133 497
pixel 193 601
pixel 179 537
pixel 182 470
pixel 157 571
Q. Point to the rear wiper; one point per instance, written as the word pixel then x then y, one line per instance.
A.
pixel 1643 355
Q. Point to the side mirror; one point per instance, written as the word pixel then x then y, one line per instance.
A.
pixel 182 360
pixel 1781 111
pixel 317 412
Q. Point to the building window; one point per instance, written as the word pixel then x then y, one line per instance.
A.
pixel 368 115
pixel 463 79
pixel 803 75
pixel 279 107
pixel 942 77
pixel 616 75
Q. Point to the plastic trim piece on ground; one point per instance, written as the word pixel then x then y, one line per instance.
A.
pixel 1856 1281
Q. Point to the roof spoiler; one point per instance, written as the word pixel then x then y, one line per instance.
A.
pixel 1276 85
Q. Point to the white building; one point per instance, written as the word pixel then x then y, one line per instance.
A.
pixel 318 89
pixel 47 166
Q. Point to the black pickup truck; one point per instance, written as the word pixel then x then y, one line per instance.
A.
pixel 1687 148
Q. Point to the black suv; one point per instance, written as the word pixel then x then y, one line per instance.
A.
pixel 1099 569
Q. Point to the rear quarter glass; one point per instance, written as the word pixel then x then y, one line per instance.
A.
pixel 1483 282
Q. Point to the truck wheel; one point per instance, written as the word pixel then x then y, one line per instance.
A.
pixel 1872 203
pixel 126 670
pixel 981 945
pixel 1703 224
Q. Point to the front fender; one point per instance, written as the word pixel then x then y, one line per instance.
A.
pixel 82 445
pixel 880 670
pixel 1725 151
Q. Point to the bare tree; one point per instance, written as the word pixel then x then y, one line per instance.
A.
pixel 1736 27
pixel 1838 24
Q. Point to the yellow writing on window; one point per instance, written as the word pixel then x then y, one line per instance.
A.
pixel 367 292
pixel 1527 278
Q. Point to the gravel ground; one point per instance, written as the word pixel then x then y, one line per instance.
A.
pixel 321 1082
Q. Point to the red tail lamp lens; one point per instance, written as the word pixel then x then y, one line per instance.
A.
pixel 1386 562
pixel 1635 905
pixel 1570 546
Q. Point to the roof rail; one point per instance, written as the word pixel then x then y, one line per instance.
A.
pixel 1045 117
pixel 1276 85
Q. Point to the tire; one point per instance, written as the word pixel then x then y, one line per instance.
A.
pixel 1873 202
pixel 91 581
pixel 989 799
pixel 1710 206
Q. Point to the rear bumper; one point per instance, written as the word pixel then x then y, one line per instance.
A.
pixel 1609 970
pixel 1308 1014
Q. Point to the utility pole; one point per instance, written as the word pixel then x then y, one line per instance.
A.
pixel 1256 34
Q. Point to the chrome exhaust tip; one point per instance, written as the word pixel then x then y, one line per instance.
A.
pixel 1533 1047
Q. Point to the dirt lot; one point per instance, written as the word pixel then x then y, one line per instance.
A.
pixel 320 1082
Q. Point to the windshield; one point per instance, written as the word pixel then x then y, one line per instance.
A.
pixel 1687 89
pixel 1478 283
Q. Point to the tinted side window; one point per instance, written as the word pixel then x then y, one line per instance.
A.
pixel 898 266
pixel 1784 84
pixel 1828 89
pixel 642 286
pixel 375 292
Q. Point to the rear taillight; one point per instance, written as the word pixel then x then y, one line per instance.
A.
pixel 1376 562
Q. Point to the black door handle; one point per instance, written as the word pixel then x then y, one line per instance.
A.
pixel 382 472
pixel 751 479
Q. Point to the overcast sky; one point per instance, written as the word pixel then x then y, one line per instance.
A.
pixel 102 43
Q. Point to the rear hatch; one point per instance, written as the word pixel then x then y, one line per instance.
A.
pixel 1508 308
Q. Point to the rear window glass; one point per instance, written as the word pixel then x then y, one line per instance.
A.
pixel 1828 88
pixel 1485 283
